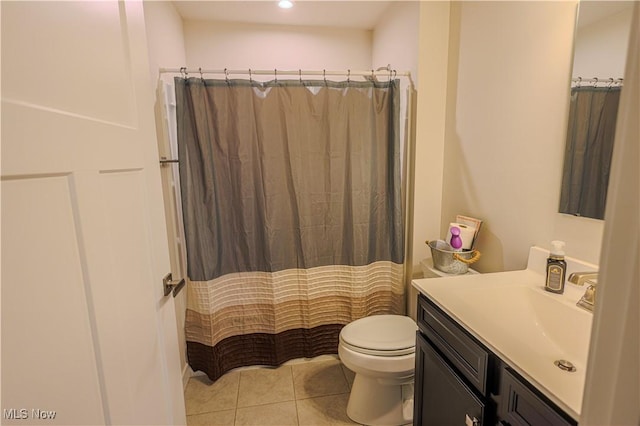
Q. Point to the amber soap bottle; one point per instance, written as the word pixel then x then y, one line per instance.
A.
pixel 556 268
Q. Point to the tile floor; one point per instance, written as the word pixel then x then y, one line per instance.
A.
pixel 311 392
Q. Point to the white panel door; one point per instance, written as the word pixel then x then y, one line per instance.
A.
pixel 87 334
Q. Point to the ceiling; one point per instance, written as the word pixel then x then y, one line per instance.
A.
pixel 342 14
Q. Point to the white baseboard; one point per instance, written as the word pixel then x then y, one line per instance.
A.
pixel 187 373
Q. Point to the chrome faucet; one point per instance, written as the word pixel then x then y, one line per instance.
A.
pixel 579 278
pixel 588 300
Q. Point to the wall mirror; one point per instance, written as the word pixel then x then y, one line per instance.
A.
pixel 600 50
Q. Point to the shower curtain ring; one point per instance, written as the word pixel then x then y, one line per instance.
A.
pixel 324 76
pixel 595 81
pixel 201 76
pixel 226 75
pixel 348 76
pixel 183 71
pixel 275 74
pixel 250 77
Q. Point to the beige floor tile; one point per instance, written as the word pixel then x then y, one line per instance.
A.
pixel 265 386
pixel 350 375
pixel 216 418
pixel 203 396
pixel 324 410
pixel 319 379
pixel 279 414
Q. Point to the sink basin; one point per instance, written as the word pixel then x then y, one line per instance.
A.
pixel 541 322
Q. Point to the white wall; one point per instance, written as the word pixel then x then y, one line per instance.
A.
pixel 165 37
pixel 427 175
pixel 219 45
pixel 395 38
pixel 395 42
pixel 506 125
pixel 165 43
pixel 612 391
pixel 601 47
pixel 433 57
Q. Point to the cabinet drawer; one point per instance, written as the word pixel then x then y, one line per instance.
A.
pixel 461 349
pixel 523 406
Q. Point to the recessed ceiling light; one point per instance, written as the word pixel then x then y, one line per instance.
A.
pixel 285 4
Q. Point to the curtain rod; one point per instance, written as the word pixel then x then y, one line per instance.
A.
pixel 595 81
pixel 277 72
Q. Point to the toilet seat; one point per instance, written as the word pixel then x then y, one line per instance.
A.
pixel 380 335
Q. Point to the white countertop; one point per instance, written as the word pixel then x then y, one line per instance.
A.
pixel 526 326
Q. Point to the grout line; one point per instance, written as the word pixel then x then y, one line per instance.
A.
pixel 295 396
pixel 344 374
pixel 297 415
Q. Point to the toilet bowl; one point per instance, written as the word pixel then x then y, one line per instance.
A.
pixel 380 350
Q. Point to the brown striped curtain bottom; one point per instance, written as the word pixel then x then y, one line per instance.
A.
pixel 260 318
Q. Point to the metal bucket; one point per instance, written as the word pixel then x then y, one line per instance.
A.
pixel 452 262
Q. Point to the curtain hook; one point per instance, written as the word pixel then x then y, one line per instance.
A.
pixel 226 75
pixel 250 78
pixel 300 74
pixel 611 80
pixel 201 76
pixel 579 82
pixel 595 81
pixel 348 76
pixel 183 71
pixel 324 76
pixel 275 74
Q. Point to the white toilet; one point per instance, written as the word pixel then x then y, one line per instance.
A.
pixel 380 349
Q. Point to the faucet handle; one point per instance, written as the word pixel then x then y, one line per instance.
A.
pixel 579 278
pixel 588 300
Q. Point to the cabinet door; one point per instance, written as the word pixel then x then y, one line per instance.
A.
pixel 442 398
pixel 521 406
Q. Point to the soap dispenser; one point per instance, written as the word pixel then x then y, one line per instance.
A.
pixel 556 268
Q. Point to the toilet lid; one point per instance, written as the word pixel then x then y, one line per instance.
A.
pixel 381 333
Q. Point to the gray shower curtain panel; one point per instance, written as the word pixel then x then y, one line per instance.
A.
pixel 589 148
pixel 292 204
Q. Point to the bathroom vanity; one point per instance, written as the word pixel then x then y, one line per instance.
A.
pixel 487 345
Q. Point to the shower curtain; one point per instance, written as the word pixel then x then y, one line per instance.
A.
pixel 587 161
pixel 292 204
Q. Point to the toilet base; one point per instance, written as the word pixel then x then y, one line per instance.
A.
pixel 373 403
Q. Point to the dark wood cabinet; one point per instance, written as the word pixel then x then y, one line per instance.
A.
pixel 454 373
pixel 461 382
pixel 443 398
pixel 522 405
